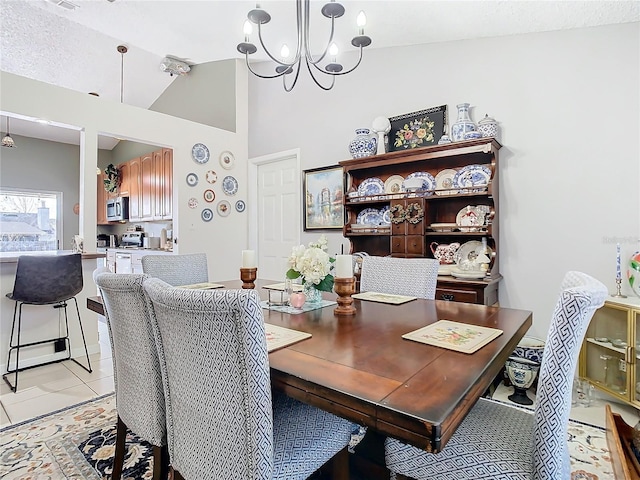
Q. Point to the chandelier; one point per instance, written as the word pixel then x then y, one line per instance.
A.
pixel 321 67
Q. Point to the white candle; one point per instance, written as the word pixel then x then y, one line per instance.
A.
pixel 248 259
pixel 344 266
pixel 618 273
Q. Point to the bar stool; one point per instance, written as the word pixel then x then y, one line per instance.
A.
pixel 45 280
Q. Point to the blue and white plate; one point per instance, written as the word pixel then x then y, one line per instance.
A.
pixel 369 216
pixel 230 185
pixel 192 179
pixel 200 153
pixel 371 186
pixel 472 176
pixel 385 213
pixel 428 182
pixel 207 214
pixel 240 206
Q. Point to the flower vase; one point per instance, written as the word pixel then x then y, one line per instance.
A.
pixel 463 124
pixel 314 296
pixel 364 144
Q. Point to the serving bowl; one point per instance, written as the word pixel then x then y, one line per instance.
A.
pixel 530 348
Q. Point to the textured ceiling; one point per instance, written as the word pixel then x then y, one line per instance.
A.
pixel 76 49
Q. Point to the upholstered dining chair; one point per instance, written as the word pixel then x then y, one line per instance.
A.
pixel 185 269
pixel 51 280
pixel 400 276
pixel 497 441
pixel 139 392
pixel 222 420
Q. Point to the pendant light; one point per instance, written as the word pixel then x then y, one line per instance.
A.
pixel 7 141
pixel 122 49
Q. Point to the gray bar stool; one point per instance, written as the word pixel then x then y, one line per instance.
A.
pixel 45 280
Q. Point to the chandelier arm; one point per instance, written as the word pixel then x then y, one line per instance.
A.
pixel 295 80
pixel 336 74
pixel 326 48
pixel 259 75
pixel 279 62
pixel 315 80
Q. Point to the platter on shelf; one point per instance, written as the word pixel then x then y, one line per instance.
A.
pixel 468 274
pixel 468 253
pixel 385 214
pixel 428 182
pixel 371 186
pixel 472 176
pixel 444 182
pixel 443 227
pixel 393 184
pixel 369 216
pixel 445 269
pixel 472 219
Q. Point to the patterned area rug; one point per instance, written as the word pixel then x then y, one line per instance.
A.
pixel 78 443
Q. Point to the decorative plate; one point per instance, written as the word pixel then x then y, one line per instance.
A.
pixel 240 206
pixel 206 215
pixel 633 273
pixel 224 208
pixel 385 214
pixel 227 160
pixel 371 186
pixel 428 182
pixel 193 203
pixel 209 196
pixel 393 184
pixel 468 252
pixel 369 216
pixel 229 185
pixel 192 179
pixel 471 219
pixel 472 176
pixel 468 274
pixel 200 153
pixel 444 182
pixel 211 176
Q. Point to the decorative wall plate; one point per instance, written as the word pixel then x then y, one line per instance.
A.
pixel 472 176
pixel 371 186
pixel 393 184
pixel 444 182
pixel 428 182
pixel 193 203
pixel 227 160
pixel 224 208
pixel 200 153
pixel 206 215
pixel 209 196
pixel 192 179
pixel 211 176
pixel 240 206
pixel 230 185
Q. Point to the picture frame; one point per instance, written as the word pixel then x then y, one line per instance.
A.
pixel 322 193
pixel 417 129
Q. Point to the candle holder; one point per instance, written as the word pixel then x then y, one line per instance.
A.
pixel 344 287
pixel 618 294
pixel 248 277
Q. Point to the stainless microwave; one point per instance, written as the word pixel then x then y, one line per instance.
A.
pixel 118 209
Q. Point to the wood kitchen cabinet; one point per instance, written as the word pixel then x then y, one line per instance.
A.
pixel 416 218
pixel 101 216
pixel 125 178
pixel 163 166
pixel 135 212
pixel 147 186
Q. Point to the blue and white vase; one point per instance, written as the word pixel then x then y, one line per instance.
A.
pixel 314 296
pixel 463 124
pixel 364 145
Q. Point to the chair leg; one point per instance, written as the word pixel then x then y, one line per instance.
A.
pixel 160 462
pixel 118 459
pixel 339 465
pixel 175 475
pixel 86 350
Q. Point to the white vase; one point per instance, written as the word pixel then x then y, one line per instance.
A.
pixel 463 124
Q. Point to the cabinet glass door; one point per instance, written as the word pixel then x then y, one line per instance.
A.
pixel 606 346
pixel 635 387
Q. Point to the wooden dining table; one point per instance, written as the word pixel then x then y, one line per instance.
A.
pixel 360 368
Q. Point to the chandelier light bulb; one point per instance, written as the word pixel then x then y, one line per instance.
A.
pixel 284 52
pixel 361 20
pixel 333 50
pixel 247 28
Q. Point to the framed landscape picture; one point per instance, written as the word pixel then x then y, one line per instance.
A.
pixel 322 198
pixel 417 129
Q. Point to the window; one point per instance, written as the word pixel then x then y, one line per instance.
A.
pixel 30 220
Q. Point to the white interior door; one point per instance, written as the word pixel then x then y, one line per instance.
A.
pixel 277 212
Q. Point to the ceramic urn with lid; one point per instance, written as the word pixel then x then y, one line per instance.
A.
pixel 488 127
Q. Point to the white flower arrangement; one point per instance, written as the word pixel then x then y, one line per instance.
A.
pixel 313 264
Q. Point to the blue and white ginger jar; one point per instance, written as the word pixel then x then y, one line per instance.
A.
pixel 463 124
pixel 364 145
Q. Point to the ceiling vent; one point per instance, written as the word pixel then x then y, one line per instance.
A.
pixel 173 66
pixel 64 4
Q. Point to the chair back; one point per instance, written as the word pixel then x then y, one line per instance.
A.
pixel 213 356
pixel 581 295
pixel 45 279
pixel 177 269
pixel 137 376
pixel 400 276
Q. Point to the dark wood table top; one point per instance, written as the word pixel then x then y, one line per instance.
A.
pixel 360 367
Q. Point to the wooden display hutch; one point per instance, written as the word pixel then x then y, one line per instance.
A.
pixel 413 238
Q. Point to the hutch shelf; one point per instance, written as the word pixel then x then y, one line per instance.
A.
pixel 416 236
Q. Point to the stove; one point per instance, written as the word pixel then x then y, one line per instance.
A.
pixel 132 240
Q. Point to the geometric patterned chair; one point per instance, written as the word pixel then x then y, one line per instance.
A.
pixel 136 369
pixel 177 270
pixel 222 420
pixel 400 276
pixel 497 441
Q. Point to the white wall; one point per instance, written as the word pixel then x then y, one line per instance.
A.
pixel 568 107
pixel 221 238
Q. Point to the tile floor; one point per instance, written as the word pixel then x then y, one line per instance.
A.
pixel 52 387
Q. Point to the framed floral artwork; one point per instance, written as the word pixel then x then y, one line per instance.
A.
pixel 322 198
pixel 417 129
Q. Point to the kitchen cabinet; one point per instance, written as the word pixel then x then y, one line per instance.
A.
pixel 416 217
pixel 147 187
pixel 101 214
pixel 125 178
pixel 129 260
pixel 163 167
pixel 150 186
pixel 610 351
pixel 134 190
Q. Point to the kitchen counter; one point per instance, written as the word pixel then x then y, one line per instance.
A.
pixel 12 257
